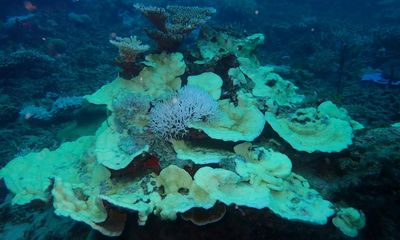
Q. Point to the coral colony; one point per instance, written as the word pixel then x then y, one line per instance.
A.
pixel 136 161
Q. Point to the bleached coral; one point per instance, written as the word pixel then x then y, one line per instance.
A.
pixel 171 119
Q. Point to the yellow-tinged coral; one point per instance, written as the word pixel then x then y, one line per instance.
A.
pixel 198 155
pixel 140 196
pixel 263 166
pixel 298 201
pixel 226 186
pixel 349 221
pixel 310 130
pixel 71 200
pixel 269 86
pixel 181 192
pixel 295 200
pixel 29 177
pixel 234 123
pixel 173 179
pixel 160 77
pixel 258 177
pixel 208 81
pixel 228 44
pixel 108 151
pixel 329 109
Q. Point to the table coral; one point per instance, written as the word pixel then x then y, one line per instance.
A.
pixel 174 23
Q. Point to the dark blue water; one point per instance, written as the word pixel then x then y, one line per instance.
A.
pixel 53 53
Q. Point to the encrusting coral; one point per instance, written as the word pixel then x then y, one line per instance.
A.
pixel 100 179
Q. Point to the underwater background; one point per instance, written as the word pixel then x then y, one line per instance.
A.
pixel 230 97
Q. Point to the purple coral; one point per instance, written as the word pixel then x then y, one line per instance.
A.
pixel 170 119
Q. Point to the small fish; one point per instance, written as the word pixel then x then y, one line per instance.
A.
pixel 29 6
pixel 192 38
pixel 377 77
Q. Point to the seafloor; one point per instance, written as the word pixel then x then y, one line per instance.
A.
pixel 56 49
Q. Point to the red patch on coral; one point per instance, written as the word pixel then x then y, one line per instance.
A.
pixel 140 166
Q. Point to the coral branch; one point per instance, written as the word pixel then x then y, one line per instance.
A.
pixel 129 47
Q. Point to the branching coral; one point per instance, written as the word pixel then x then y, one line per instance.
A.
pixel 26 62
pixel 174 23
pixel 129 47
pixel 170 119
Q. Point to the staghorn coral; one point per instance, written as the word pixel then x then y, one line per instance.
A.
pixel 174 23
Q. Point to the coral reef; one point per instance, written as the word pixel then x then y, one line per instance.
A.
pixel 119 167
